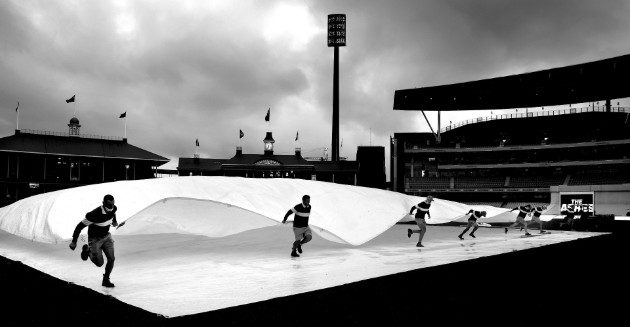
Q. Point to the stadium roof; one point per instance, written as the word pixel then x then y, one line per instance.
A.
pixel 594 81
pixel 75 146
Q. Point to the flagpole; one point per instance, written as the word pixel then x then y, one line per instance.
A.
pixel 125 126
pixel 17 123
pixel 196 155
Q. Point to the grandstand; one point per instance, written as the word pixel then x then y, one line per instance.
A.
pixel 467 168
pixel 509 159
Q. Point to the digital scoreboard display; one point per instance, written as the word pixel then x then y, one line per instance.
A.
pixel 337 30
pixel 580 202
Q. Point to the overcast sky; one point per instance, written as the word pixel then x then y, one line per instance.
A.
pixel 184 70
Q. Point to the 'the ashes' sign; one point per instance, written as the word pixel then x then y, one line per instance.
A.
pixel 337 30
pixel 579 202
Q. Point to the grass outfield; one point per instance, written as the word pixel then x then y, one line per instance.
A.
pixel 582 281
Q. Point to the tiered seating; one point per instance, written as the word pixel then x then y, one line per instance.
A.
pixel 599 179
pixel 479 182
pixel 510 205
pixel 536 181
pixel 484 203
pixel 428 183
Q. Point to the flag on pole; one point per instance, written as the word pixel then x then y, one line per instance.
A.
pixel 240 134
pixel 124 115
pixel 17 119
pixel 71 99
pixel 342 144
pixel 267 117
pixel 297 135
pixel 197 142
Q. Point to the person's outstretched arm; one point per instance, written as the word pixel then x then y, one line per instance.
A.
pixel 286 215
pixel 411 211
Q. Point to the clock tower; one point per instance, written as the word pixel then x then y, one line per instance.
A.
pixel 269 141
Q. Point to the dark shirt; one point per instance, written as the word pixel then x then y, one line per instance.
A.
pixel 475 215
pixel 422 209
pixel 538 211
pixel 98 221
pixel 523 211
pixel 301 215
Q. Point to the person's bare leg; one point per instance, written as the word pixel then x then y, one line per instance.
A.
pixel 423 230
pixel 517 223
pixel 412 231
pixel 465 230
pixel 476 226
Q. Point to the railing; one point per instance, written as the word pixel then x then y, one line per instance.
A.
pixel 483 184
pixel 478 148
pixel 553 112
pixel 83 136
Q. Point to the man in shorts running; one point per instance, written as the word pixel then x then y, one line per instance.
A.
pixel 537 211
pixel 422 210
pixel 472 221
pixel 520 219
pixel 301 230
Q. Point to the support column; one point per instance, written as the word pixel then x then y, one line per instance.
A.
pixel 394 165
pixel 430 126
pixel 335 122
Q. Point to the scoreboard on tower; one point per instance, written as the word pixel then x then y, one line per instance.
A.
pixel 337 30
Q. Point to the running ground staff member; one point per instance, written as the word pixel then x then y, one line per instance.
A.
pixel 301 230
pixel 472 221
pixel 422 210
pixel 99 239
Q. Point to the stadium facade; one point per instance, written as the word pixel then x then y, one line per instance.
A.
pixel 525 157
pixel 367 170
pixel 34 162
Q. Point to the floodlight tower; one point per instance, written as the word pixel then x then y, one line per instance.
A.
pixel 336 39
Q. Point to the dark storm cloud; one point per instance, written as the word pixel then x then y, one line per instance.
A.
pixel 422 43
pixel 204 70
pixel 169 76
